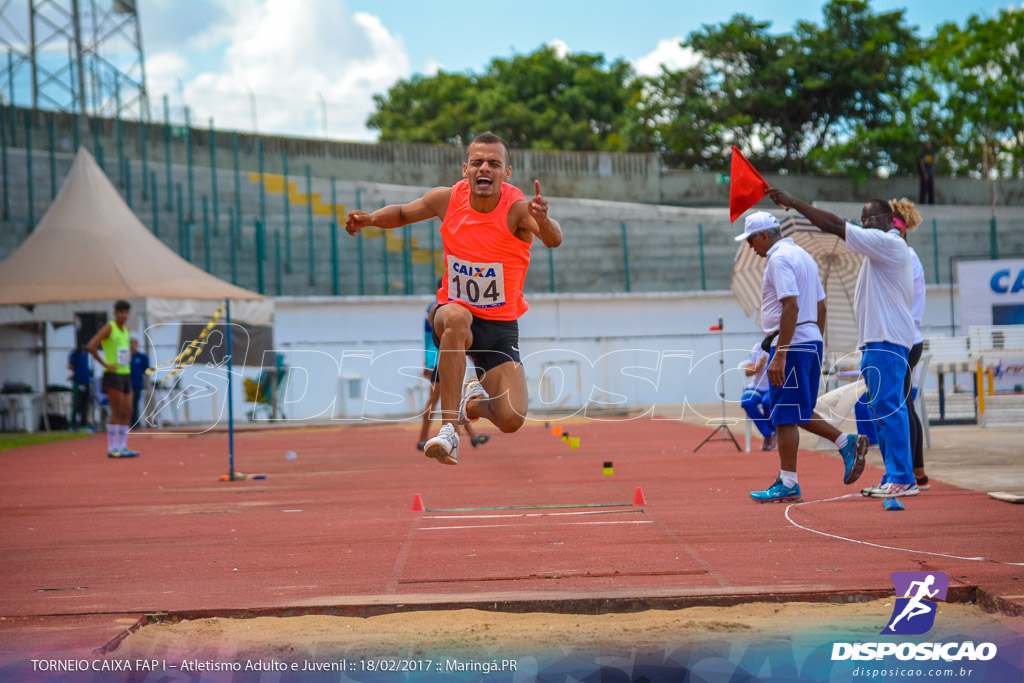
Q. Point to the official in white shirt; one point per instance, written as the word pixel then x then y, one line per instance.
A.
pixel 792 318
pixel 882 304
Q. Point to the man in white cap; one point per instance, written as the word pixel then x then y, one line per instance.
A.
pixel 793 317
pixel 885 326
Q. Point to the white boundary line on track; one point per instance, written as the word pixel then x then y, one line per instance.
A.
pixel 535 514
pixel 878 545
pixel 495 526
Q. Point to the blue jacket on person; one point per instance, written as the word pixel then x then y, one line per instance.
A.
pixel 81 366
pixel 139 364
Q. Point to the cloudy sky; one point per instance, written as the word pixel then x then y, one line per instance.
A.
pixel 303 66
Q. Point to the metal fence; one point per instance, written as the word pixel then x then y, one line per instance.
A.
pixel 278 230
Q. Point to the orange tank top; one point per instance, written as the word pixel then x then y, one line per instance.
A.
pixel 485 264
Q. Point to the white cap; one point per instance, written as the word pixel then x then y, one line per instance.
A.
pixel 756 222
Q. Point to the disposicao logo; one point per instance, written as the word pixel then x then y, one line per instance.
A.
pixel 914 613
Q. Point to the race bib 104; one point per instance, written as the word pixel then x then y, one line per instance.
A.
pixel 481 285
pixel 123 357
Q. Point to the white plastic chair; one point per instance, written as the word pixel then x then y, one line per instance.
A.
pixel 920 373
pixel 749 423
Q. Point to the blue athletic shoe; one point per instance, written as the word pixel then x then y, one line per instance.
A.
pixel 853 456
pixel 777 493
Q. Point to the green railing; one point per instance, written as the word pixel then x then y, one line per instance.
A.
pixel 596 256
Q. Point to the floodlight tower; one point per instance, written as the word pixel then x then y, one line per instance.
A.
pixel 84 56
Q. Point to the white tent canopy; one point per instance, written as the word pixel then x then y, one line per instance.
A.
pixel 90 249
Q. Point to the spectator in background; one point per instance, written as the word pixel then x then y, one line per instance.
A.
pixel 906 218
pixel 80 366
pixel 115 341
pixel 926 171
pixel 140 363
pixel 756 399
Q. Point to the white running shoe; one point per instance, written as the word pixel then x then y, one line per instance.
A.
pixel 471 390
pixel 445 446
pixel 890 490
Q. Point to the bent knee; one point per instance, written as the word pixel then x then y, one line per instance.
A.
pixel 455 334
pixel 510 423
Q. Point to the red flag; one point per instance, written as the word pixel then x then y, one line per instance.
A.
pixel 746 186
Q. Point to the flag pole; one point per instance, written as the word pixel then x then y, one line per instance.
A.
pixel 723 425
pixel 231 413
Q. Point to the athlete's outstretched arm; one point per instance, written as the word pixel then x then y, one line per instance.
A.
pixel 433 204
pixel 825 221
pixel 539 222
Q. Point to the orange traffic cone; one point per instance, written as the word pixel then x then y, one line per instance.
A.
pixel 638 497
pixel 417 504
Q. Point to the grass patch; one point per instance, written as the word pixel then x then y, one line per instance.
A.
pixel 17 440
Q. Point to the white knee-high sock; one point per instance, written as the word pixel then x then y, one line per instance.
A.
pixel 122 436
pixel 111 437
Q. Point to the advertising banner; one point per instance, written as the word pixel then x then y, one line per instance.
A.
pixel 992 293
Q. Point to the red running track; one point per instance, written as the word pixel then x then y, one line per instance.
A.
pixel 90 544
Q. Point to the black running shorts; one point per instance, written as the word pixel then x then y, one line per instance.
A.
pixel 494 342
pixel 112 380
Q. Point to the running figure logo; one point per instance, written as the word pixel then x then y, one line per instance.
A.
pixel 914 613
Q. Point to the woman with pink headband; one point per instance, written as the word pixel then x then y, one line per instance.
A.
pixel 906 218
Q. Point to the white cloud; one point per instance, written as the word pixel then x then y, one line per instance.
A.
pixel 294 56
pixel 163 75
pixel 176 24
pixel 561 49
pixel 163 69
pixel 669 54
pixel 432 68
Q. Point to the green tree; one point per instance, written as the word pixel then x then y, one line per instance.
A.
pixel 749 73
pixel 785 100
pixel 855 94
pixel 540 100
pixel 681 109
pixel 725 99
pixel 855 75
pixel 439 109
pixel 978 75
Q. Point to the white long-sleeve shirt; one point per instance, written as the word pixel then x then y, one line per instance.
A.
pixel 885 286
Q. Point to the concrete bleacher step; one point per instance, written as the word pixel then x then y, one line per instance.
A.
pixel 1003 410
pixel 663 242
pixel 958 405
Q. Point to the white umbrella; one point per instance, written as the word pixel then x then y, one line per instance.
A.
pixel 837 267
